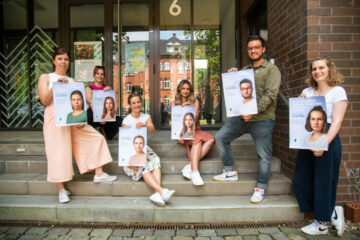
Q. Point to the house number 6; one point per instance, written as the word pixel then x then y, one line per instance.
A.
pixel 175 7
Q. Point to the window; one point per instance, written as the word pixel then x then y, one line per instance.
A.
pixel 167 100
pixel 161 67
pixel 180 67
pixel 166 66
pixel 167 83
pixel 128 87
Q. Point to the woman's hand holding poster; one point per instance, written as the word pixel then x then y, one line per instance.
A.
pixel 239 93
pixel 308 123
pixel 69 103
pixel 183 122
pixel 132 146
pixel 104 106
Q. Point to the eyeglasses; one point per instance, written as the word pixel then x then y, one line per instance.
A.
pixel 254 48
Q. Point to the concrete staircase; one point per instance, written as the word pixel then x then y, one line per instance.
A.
pixel 26 195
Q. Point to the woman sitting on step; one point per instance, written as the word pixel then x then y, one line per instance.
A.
pixel 88 146
pixel 151 172
pixel 200 146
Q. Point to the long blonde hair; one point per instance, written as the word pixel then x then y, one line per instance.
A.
pixel 191 98
pixel 334 78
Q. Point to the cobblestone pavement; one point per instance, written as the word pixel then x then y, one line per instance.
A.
pixel 275 233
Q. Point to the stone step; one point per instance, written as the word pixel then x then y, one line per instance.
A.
pixel 169 165
pixel 220 209
pixel 36 184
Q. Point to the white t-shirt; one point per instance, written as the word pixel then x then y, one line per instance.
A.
pixel 249 107
pixel 336 94
pixel 131 121
pixel 54 77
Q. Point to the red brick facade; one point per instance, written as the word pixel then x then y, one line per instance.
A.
pixel 298 31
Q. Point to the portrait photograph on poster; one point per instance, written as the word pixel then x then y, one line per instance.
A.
pixel 308 123
pixel 69 103
pixel 104 106
pixel 87 55
pixel 183 122
pixel 239 93
pixel 132 146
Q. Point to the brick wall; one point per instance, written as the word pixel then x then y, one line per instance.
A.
pixel 299 31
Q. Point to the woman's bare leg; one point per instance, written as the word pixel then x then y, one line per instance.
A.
pixel 195 156
pixel 151 181
pixel 60 186
pixel 99 171
pixel 157 175
pixel 206 146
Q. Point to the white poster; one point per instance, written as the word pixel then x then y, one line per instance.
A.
pixel 308 123
pixel 183 122
pixel 104 105
pixel 239 93
pixel 69 103
pixel 87 55
pixel 132 146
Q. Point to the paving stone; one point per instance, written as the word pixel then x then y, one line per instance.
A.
pixel 57 237
pixel 226 232
pixel 58 231
pixel 296 237
pixel 279 236
pixel 10 237
pixel 101 237
pixel 206 233
pixel 269 230
pixel 80 232
pixel 167 233
pixel 28 237
pixel 249 237
pixel 234 238
pixel 16 230
pixel 143 233
pixel 186 232
pixel 264 237
pixel 156 237
pixel 247 231
pixel 182 238
pixel 37 231
pixel 202 238
pixel 216 238
pixel 115 238
pixel 350 236
pixel 100 233
pixel 321 237
pixel 79 237
pixel 290 230
pixel 3 230
pixel 122 233
pixel 134 238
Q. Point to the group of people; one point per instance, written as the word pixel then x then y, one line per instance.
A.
pixel 316 173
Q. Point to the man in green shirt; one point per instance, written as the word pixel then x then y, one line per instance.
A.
pixel 260 126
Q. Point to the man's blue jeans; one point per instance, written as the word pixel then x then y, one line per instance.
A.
pixel 260 131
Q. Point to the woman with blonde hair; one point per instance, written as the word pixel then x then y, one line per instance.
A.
pixel 317 171
pixel 200 146
pixel 88 146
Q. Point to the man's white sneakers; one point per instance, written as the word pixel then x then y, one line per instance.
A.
pixel 258 195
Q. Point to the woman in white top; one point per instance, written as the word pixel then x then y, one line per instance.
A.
pixel 317 171
pixel 151 172
pixel 88 146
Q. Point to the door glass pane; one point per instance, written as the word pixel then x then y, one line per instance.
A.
pixel 86 40
pixel 134 72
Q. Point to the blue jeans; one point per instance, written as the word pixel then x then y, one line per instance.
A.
pixel 260 131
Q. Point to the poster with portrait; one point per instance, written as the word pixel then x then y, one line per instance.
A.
pixel 87 55
pixel 308 123
pixel 239 93
pixel 135 57
pixel 183 122
pixel 104 105
pixel 132 146
pixel 70 103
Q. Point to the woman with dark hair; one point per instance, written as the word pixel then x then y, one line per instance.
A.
pixel 77 104
pixel 108 109
pixel 200 146
pixel 110 129
pixel 317 171
pixel 151 172
pixel 88 146
pixel 316 125
pixel 188 130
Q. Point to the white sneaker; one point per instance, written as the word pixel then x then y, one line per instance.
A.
pixel 337 219
pixel 167 194
pixel 257 196
pixel 196 179
pixel 104 178
pixel 157 199
pixel 226 176
pixel 64 196
pixel 186 171
pixel 315 228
